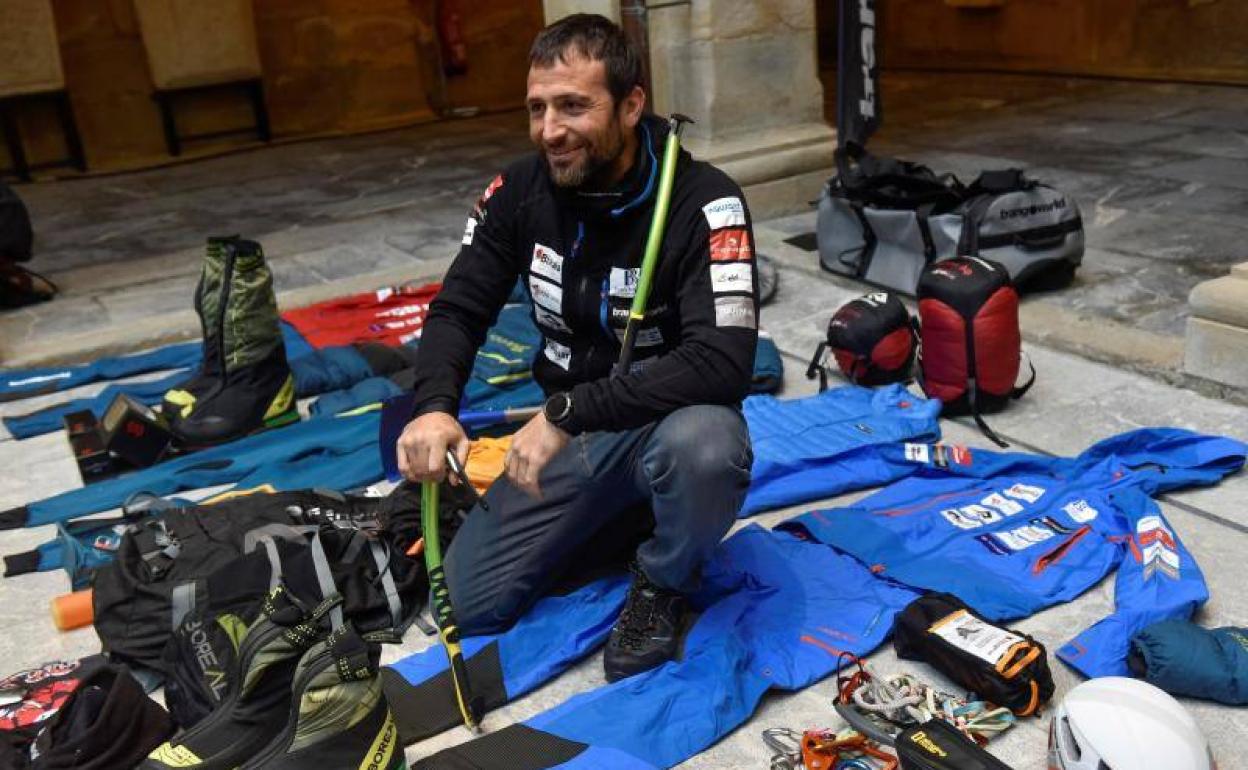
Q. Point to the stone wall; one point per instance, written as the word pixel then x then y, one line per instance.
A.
pixel 746 71
pixel 329 66
pixel 1200 40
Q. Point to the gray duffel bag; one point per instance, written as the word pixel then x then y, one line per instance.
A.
pixel 882 220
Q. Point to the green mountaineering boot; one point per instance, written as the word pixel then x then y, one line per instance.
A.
pixel 256 705
pixel 339 718
pixel 244 383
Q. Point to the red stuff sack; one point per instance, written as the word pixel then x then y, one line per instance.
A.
pixel 968 309
pixel 873 340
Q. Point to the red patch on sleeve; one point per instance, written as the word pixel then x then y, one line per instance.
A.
pixel 731 244
pixel 489 191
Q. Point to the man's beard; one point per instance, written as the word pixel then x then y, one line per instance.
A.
pixel 601 154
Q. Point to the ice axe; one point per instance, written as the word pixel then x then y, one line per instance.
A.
pixel 470 707
pixel 654 240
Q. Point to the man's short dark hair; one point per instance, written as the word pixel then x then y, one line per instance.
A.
pixel 596 38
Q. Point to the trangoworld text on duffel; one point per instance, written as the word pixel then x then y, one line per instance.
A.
pixel 882 220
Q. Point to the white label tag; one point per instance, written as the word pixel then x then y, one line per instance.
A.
pixel 731 276
pixel 546 294
pixel 550 320
pixel 735 311
pixel 1024 537
pixel 547 263
pixel 624 281
pixel 918 453
pixel 1025 492
pixel 971 635
pixel 1002 503
pixel 559 355
pixel 981 513
pixel 955 517
pixel 1080 511
pixel 724 212
pixel 470 227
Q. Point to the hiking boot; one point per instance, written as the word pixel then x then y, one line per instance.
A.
pixel 256 704
pixel 244 383
pixel 338 718
pixel 647 632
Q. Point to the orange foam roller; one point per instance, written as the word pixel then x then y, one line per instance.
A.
pixel 70 611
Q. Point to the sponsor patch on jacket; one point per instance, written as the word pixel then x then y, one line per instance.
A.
pixel 732 276
pixel 546 294
pixel 623 281
pixel 1159 552
pixel 647 337
pixel 550 320
pixel 730 245
pixel 547 263
pixel 559 355
pixel 1080 511
pixel 1025 492
pixel 724 212
pixel 490 189
pixel 735 311
pixel 918 453
pixel 470 227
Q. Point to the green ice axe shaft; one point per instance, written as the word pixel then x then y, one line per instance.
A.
pixel 654 240
pixel 448 632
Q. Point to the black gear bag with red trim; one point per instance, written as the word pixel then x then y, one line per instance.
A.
pixel 1004 667
pixel 968 310
pixel 873 339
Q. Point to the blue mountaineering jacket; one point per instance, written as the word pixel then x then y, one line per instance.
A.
pixel 1013 533
pixel 824 445
pixel 776 612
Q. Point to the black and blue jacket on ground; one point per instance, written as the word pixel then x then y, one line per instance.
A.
pixel 1012 533
pixel 780 607
pixel 776 613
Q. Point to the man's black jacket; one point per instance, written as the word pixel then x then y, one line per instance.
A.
pixel 578 254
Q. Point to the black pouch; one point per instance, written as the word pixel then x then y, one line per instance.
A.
pixel 937 745
pixel 1004 667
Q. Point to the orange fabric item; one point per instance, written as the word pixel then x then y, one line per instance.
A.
pixel 485 461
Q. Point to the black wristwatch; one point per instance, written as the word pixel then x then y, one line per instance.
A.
pixel 558 408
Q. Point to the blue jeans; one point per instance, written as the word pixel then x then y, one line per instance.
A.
pixel 691 469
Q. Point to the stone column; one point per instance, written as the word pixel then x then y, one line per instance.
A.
pixel 557 9
pixel 746 71
pixel 1217 330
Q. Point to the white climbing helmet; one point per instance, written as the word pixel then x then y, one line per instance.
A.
pixel 1115 723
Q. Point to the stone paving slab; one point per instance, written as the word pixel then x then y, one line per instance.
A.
pixel 1073 403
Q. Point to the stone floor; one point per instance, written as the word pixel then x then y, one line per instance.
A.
pixel 1074 403
pixel 1160 171
pixel 124 247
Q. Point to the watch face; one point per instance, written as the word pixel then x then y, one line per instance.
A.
pixel 557 407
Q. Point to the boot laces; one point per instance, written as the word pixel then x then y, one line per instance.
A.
pixel 638 618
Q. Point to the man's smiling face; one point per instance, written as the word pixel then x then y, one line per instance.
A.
pixel 577 126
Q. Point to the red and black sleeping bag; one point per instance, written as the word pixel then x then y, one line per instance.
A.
pixel 968 309
pixel 873 340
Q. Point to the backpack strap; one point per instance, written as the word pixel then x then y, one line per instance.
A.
pixel 1021 390
pixel 972 390
pixel 816 367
